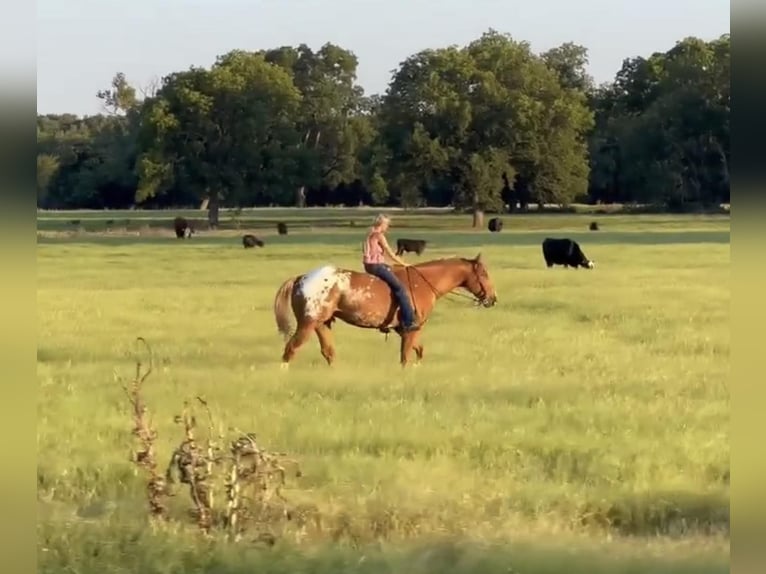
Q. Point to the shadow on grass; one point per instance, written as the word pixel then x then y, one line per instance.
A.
pixel 86 549
pixel 669 513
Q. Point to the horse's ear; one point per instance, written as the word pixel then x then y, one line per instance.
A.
pixel 478 258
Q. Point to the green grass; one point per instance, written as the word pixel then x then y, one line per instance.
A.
pixel 432 219
pixel 579 426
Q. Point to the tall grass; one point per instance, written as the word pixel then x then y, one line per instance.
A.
pixel 588 406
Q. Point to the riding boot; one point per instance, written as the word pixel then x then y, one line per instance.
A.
pixel 412 324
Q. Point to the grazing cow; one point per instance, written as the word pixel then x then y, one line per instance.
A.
pixel 249 241
pixel 282 228
pixel 495 225
pixel 593 226
pixel 413 245
pixel 182 228
pixel 564 252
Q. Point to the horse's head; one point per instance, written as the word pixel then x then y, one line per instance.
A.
pixel 477 281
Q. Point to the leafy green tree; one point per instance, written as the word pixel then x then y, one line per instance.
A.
pixel 569 61
pixel 478 127
pixel 85 162
pixel 662 129
pixel 47 166
pixel 224 133
pixel 461 118
pixel 332 131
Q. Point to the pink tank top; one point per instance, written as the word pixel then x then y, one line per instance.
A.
pixel 372 252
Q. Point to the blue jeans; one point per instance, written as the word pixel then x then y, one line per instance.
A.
pixel 384 272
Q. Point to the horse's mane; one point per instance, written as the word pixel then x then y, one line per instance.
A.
pixel 441 260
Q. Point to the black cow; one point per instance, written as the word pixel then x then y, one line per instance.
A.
pixel 593 226
pixel 182 228
pixel 564 252
pixel 249 241
pixel 414 245
pixel 282 228
pixel 495 225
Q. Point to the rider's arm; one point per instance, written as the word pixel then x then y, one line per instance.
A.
pixel 387 248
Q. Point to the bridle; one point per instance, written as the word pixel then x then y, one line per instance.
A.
pixel 477 300
pixel 482 297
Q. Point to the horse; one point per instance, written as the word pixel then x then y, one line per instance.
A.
pixel 321 296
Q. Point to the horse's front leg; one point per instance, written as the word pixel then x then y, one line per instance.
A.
pixel 408 343
pixel 418 347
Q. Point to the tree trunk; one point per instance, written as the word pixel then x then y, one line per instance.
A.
pixel 478 218
pixel 478 213
pixel 300 196
pixel 212 211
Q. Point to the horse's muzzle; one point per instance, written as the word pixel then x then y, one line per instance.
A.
pixel 489 301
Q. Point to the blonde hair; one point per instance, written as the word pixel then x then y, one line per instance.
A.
pixel 380 219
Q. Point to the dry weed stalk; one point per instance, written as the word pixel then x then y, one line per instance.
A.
pixel 256 469
pixel 212 447
pixel 195 468
pixel 144 455
pixel 251 470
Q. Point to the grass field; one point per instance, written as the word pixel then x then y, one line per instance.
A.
pixel 579 426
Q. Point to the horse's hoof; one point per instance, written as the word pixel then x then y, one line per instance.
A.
pixel 284 366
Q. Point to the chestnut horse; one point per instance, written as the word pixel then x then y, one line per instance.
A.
pixel 319 297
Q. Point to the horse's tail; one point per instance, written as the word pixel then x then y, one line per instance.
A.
pixel 282 307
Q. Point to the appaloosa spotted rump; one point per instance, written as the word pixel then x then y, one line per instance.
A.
pixel 316 285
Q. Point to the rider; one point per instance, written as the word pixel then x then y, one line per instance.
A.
pixel 373 249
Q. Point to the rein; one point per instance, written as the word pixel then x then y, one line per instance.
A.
pixel 435 291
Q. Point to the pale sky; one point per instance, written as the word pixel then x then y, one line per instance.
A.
pixel 81 44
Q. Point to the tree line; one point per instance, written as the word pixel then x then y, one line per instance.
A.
pixel 487 126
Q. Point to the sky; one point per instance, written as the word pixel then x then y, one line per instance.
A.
pixel 81 44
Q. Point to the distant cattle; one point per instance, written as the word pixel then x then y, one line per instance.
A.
pixel 413 245
pixel 182 228
pixel 249 241
pixel 495 225
pixel 282 228
pixel 564 252
pixel 593 226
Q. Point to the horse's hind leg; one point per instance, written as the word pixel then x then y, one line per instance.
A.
pixel 299 337
pixel 325 342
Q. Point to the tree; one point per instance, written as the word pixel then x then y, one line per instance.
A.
pixel 224 133
pixel 543 121
pixel 459 119
pixel 47 166
pixel 85 162
pixel 328 116
pixel 478 127
pixel 569 61
pixel 121 98
pixel 662 129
